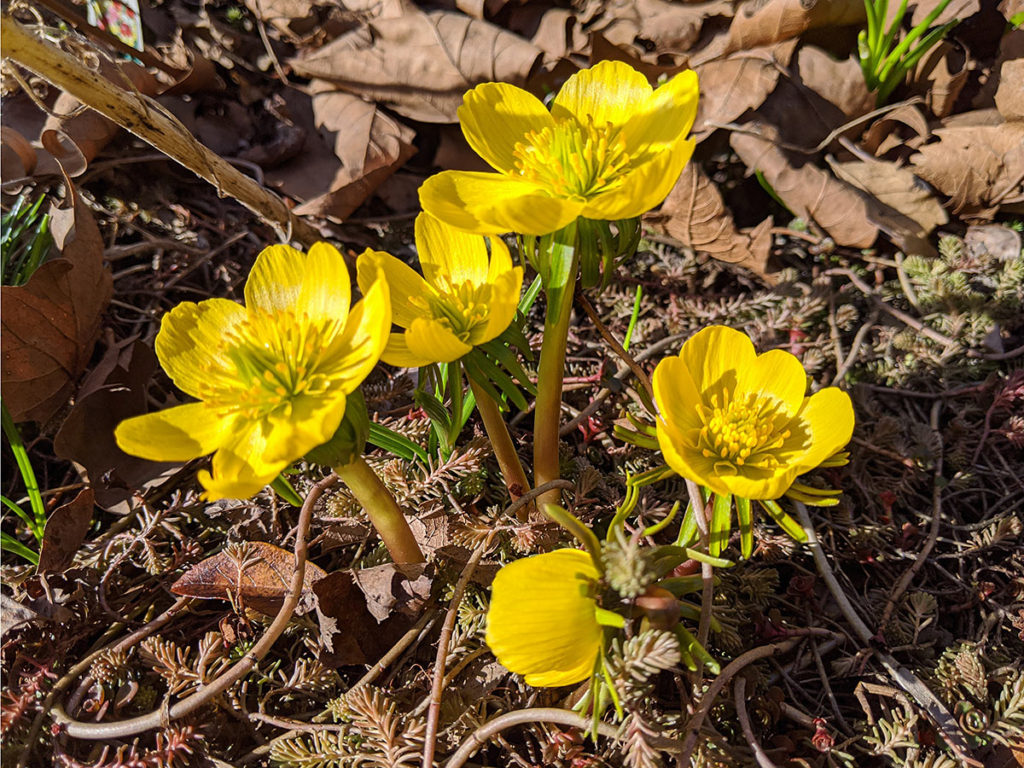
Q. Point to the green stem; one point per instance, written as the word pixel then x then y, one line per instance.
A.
pixel 504 448
pixel 561 282
pixel 382 509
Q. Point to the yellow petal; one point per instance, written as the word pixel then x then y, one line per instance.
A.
pixel 177 434
pixel 714 355
pixel 239 468
pixel 642 187
pixel 311 421
pixel 676 394
pixel 490 204
pixel 504 301
pixel 428 339
pixel 663 117
pixel 449 256
pixel 541 622
pixel 681 454
pixel 828 416
pixel 777 373
pixel 191 345
pixel 284 279
pixel 326 283
pixel 353 354
pixel 497 116
pixel 398 354
pixel 748 483
pixel 608 92
pixel 501 259
pixel 402 280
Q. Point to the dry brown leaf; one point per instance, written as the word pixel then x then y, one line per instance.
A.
pixel 113 390
pixel 393 588
pixel 838 80
pixel 18 158
pixel 1010 8
pixel 730 86
pixel 370 144
pixel 662 27
pixel 1010 94
pixel 421 64
pixel 939 77
pixel 762 22
pixel 254 573
pixel 957 9
pixel 807 191
pixel 885 133
pixel 64 533
pixel 979 167
pixel 895 187
pixel 992 241
pixel 50 324
pixel 557 31
pixel 695 215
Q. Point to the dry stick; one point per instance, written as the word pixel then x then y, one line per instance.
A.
pixel 540 490
pixel 933 533
pixel 906 679
pixel 707 571
pixel 158 718
pixel 148 120
pixel 434 711
pixel 554 715
pixel 707 700
pixel 740 698
pixel 81 667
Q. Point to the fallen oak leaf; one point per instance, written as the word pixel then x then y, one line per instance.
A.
pixel 979 167
pixel 740 81
pixel 256 574
pixel 761 22
pixel 897 188
pixel 421 64
pixel 695 215
pixel 50 323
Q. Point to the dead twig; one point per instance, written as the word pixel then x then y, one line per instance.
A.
pixel 740 700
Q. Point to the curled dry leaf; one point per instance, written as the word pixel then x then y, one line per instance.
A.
pixel 421 64
pixel 254 574
pixel 760 22
pixel 979 167
pixel 50 324
pixel 695 215
pixel 663 27
pixel 807 191
pixel 731 85
pixel 940 77
pixel 17 157
pixel 887 133
pixel 65 531
pixel 393 588
pixel 75 135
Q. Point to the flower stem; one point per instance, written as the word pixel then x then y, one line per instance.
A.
pixel 563 264
pixel 382 509
pixel 504 448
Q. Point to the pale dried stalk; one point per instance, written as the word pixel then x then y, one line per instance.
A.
pixel 148 120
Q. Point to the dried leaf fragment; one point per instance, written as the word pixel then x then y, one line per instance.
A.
pixel 65 531
pixel 254 573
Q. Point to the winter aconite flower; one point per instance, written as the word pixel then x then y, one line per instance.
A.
pixel 610 148
pixel 738 422
pixel 464 298
pixel 543 618
pixel 271 378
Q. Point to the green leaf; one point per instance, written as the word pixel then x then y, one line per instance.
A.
pixel 721 524
pixel 396 443
pixel 284 489
pixel 787 523
pixel 746 523
pixel 10 544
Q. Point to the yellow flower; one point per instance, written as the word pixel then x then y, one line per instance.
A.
pixel 466 299
pixel 610 148
pixel 738 422
pixel 271 377
pixel 542 621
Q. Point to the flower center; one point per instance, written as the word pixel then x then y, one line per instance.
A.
pixel 572 159
pixel 277 358
pixel 462 309
pixel 743 431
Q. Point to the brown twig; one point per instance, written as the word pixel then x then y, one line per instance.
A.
pixel 617 348
pixel 740 700
pixel 434 710
pixel 109 731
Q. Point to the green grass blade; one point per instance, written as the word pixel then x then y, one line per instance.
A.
pixel 10 544
pixel 396 443
pixel 746 523
pixel 28 477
